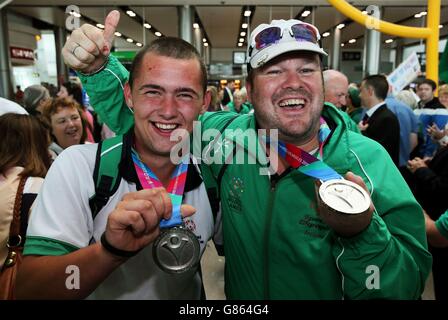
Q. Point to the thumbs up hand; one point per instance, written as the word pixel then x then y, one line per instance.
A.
pixel 88 46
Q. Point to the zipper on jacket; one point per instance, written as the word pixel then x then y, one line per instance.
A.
pixel 274 179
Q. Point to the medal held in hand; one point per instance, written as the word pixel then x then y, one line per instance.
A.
pixel 343 204
pixel 344 196
pixel 177 249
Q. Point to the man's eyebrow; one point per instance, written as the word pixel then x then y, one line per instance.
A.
pixel 151 86
pixel 177 90
pixel 187 89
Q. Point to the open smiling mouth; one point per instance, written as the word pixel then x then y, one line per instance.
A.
pixel 72 133
pixel 292 104
pixel 165 127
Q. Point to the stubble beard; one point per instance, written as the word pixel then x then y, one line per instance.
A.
pixel 298 134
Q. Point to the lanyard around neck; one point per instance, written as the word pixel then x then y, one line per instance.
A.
pixel 306 163
pixel 175 189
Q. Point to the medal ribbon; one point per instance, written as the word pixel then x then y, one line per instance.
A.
pixel 175 189
pixel 305 162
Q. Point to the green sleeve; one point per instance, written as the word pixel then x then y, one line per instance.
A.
pixel 392 248
pixel 105 90
pixel 41 246
pixel 442 224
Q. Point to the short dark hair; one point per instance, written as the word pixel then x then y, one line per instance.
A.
pixel 75 90
pixel 169 47
pixel 428 82
pixel 379 84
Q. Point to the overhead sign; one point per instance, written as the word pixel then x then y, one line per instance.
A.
pixel 21 53
pixel 351 56
pixel 406 72
pixel 124 55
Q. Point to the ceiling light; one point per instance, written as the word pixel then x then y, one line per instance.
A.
pixel 205 44
pixel 242 33
pixel 195 25
pixel 244 26
pixel 340 26
pixel 147 25
pixel 118 34
pixel 364 12
pixel 423 13
pixel 240 44
pixel 342 44
pixel 130 13
pixel 204 40
pixel 325 34
pixel 389 41
pixel 99 25
pixel 157 33
pixel 417 15
pixel 139 44
pixel 352 41
pixel 241 39
pixel 440 26
pixel 247 13
pixel 306 13
pixel 129 40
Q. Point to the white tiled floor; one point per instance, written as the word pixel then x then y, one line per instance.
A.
pixel 428 294
pixel 213 274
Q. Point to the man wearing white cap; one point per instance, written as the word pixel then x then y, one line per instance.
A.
pixel 278 243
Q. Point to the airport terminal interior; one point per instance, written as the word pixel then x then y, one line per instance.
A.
pixel 33 33
pixel 218 29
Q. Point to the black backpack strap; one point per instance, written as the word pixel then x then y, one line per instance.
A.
pixel 106 175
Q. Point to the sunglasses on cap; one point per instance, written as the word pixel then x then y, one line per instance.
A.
pixel 300 32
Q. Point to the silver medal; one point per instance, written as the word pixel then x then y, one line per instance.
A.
pixel 344 206
pixel 176 250
pixel 344 196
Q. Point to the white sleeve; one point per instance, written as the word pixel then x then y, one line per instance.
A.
pixel 62 211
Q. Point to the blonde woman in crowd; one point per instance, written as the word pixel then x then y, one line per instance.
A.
pixel 443 95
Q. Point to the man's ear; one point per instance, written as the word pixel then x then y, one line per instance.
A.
pixel 371 91
pixel 249 91
pixel 128 95
pixel 206 101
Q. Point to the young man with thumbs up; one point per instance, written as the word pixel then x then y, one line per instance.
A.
pixel 112 253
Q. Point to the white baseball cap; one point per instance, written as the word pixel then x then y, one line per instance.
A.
pixel 8 106
pixel 268 41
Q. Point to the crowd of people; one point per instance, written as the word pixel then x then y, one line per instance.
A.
pixel 276 240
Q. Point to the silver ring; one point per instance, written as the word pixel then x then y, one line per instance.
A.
pixel 74 49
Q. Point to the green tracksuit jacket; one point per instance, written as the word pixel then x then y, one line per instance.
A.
pixel 276 246
pixel 244 108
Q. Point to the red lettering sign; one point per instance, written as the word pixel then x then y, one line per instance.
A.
pixel 21 53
